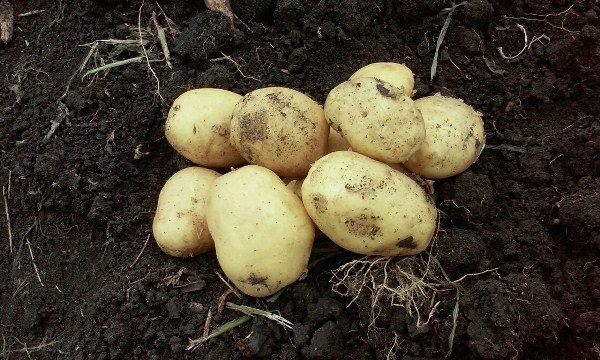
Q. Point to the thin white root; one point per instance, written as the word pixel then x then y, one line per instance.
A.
pixel 391 354
pixel 525 45
pixel 541 39
pixel 141 41
pixel 408 282
pixel 238 67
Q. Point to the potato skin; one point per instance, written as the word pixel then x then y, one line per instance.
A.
pixel 455 137
pixel 367 207
pixel 198 127
pixel 396 74
pixel 179 225
pixel 280 129
pixel 263 235
pixel 376 118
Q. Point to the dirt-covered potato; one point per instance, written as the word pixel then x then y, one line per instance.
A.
pixel 454 137
pixel 367 207
pixel 376 118
pixel 179 225
pixel 336 142
pixel 198 127
pixel 263 235
pixel 280 129
pixel 396 74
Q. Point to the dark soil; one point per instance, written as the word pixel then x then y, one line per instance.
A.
pixel 84 202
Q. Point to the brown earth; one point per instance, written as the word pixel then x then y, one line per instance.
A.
pixel 84 201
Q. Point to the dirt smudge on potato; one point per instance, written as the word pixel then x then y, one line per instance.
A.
pixel 363 225
pixel 254 279
pixel 408 243
pixel 253 127
pixel 385 91
pixel 220 129
pixel 320 203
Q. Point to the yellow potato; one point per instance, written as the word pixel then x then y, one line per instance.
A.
pixel 336 142
pixel 263 236
pixel 396 74
pixel 367 207
pixel 376 119
pixel 179 225
pixel 455 137
pixel 198 127
pixel 280 129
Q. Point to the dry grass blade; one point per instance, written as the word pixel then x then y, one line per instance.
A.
pixel 162 38
pixel 136 59
pixel 33 262
pixel 31 13
pixel 237 293
pixel 8 226
pixel 454 324
pixel 140 253
pixel 269 315
pixel 63 112
pixel 194 343
pixel 440 39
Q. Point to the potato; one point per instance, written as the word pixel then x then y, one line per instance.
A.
pixel 367 207
pixel 263 236
pixel 198 127
pixel 336 142
pixel 179 225
pixel 396 74
pixel 455 137
pixel 376 118
pixel 280 129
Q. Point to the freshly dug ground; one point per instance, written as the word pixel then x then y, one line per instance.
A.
pixel 81 202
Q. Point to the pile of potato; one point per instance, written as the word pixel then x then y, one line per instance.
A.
pixel 346 168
